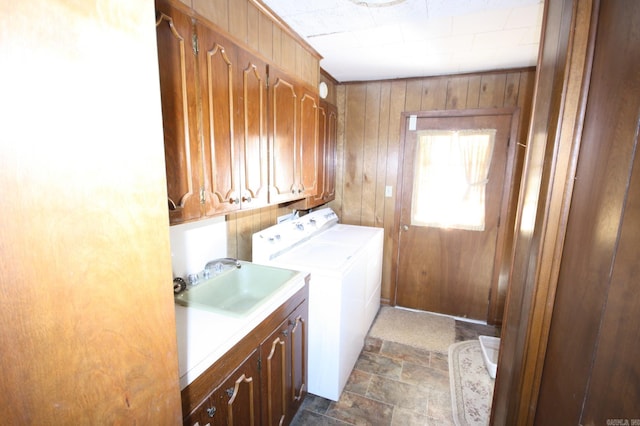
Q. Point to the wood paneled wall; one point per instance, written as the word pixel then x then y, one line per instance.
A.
pixel 254 25
pixel 369 140
pixel 368 144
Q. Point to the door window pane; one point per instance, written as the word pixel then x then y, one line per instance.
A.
pixel 451 173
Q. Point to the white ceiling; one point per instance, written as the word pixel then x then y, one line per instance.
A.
pixel 415 38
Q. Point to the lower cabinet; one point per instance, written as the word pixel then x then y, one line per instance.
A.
pixel 260 381
pixel 283 356
pixel 235 402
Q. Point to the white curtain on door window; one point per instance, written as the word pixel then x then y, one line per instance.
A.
pixel 450 176
pixel 439 180
pixel 476 151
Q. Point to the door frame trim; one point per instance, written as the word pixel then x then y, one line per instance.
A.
pixel 508 195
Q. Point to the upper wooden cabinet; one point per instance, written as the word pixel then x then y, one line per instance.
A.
pixel 214 115
pixel 218 102
pixel 326 158
pixel 177 63
pixel 293 139
pixel 239 133
pixel 233 88
pixel 253 134
pixel 330 148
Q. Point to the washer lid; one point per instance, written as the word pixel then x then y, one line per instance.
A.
pixel 316 254
pixel 349 234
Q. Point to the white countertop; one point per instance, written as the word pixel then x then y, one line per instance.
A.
pixel 204 336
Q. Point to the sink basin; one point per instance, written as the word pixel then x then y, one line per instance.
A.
pixel 237 291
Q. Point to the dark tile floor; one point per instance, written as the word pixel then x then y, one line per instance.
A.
pixel 392 384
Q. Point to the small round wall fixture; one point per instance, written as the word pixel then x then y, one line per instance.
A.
pixel 377 3
pixel 323 90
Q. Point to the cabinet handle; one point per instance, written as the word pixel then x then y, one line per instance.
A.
pixel 234 200
pixel 230 392
pixel 211 411
pixel 246 199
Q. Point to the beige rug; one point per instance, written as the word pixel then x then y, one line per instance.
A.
pixel 471 385
pixel 418 329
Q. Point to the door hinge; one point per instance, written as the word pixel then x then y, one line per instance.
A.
pixel 194 44
pixel 259 364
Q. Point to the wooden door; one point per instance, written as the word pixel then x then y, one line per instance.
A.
pixel 297 387
pixel 446 259
pixel 274 375
pixel 330 147
pixel 307 161
pixel 177 67
pixel 327 137
pixel 253 133
pixel 218 101
pixel 237 400
pixel 283 110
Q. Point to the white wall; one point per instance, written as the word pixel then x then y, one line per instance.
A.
pixel 194 244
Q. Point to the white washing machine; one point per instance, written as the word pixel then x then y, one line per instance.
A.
pixel 345 263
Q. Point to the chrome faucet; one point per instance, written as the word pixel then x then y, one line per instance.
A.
pixel 217 264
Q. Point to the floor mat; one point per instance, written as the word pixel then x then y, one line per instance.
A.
pixel 471 385
pixel 419 329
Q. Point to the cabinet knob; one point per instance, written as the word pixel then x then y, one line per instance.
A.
pixel 229 392
pixel 285 333
pixel 246 199
pixel 211 411
pixel 293 191
pixel 234 200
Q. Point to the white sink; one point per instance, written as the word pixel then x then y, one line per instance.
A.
pixel 237 291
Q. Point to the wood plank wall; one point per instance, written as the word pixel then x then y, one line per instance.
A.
pixel 369 138
pixel 253 25
pixel 368 144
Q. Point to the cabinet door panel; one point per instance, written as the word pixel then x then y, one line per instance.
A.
pixel 330 147
pixel 298 359
pixel 274 375
pixel 253 132
pixel 237 400
pixel 322 132
pixel 203 415
pixel 307 167
pixel 282 143
pixel 177 63
pixel 218 101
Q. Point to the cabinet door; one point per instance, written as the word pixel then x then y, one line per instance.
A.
pixel 236 402
pixel 330 147
pixel 177 66
pixel 275 375
pixel 322 132
pixel 204 415
pixel 219 108
pixel 283 102
pixel 307 168
pixel 297 387
pixel 253 131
